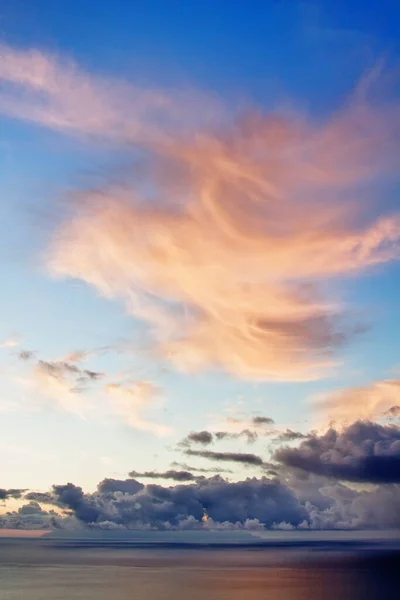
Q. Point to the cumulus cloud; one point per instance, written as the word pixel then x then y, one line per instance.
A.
pixel 224 260
pixel 216 503
pixel 362 452
pixel 72 497
pixel 126 486
pixel 131 402
pixel 365 402
pixel 186 506
pixel 30 516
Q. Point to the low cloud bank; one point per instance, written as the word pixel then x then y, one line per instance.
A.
pixel 347 479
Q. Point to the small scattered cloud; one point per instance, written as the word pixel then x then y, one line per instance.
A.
pixel 192 469
pixel 234 428
pixel 170 474
pixel 204 438
pixel 393 412
pixel 26 355
pixel 10 342
pixel 11 493
pixel 238 457
pixel 290 436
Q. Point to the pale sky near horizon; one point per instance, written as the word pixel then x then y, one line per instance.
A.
pixel 199 310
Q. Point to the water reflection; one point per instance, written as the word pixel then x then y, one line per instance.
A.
pixel 62 572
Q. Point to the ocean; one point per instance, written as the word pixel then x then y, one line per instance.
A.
pixel 51 569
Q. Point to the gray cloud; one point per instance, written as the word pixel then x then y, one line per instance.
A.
pixel 393 412
pixel 193 469
pixel 364 451
pixel 257 421
pixel 126 486
pixel 10 493
pixel 250 435
pixel 199 437
pixel 238 457
pixel 171 474
pixel 31 516
pixel 25 355
pixel 290 436
pixel 255 427
pixel 43 497
pixel 72 497
pixel 185 506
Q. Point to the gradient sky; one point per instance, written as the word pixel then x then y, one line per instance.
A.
pixel 302 57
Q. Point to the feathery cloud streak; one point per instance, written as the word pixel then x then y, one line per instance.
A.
pixel 222 247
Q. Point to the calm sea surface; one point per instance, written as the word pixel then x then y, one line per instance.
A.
pixel 59 570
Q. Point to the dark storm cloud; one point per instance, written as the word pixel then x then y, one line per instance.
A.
pixel 364 452
pixel 171 474
pixel 238 457
pixel 10 493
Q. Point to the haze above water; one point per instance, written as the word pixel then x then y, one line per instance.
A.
pixel 118 569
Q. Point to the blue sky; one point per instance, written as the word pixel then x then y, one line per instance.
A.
pixel 267 54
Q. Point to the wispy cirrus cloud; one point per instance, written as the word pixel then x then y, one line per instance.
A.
pixel 370 402
pixel 61 382
pixel 68 385
pixel 55 93
pixel 132 402
pixel 223 247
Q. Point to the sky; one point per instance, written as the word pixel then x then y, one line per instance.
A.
pixel 200 233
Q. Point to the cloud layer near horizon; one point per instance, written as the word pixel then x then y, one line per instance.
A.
pixel 307 490
pixel 221 242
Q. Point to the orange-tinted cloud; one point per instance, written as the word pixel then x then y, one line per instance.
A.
pixel 360 403
pixel 57 94
pixel 222 246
